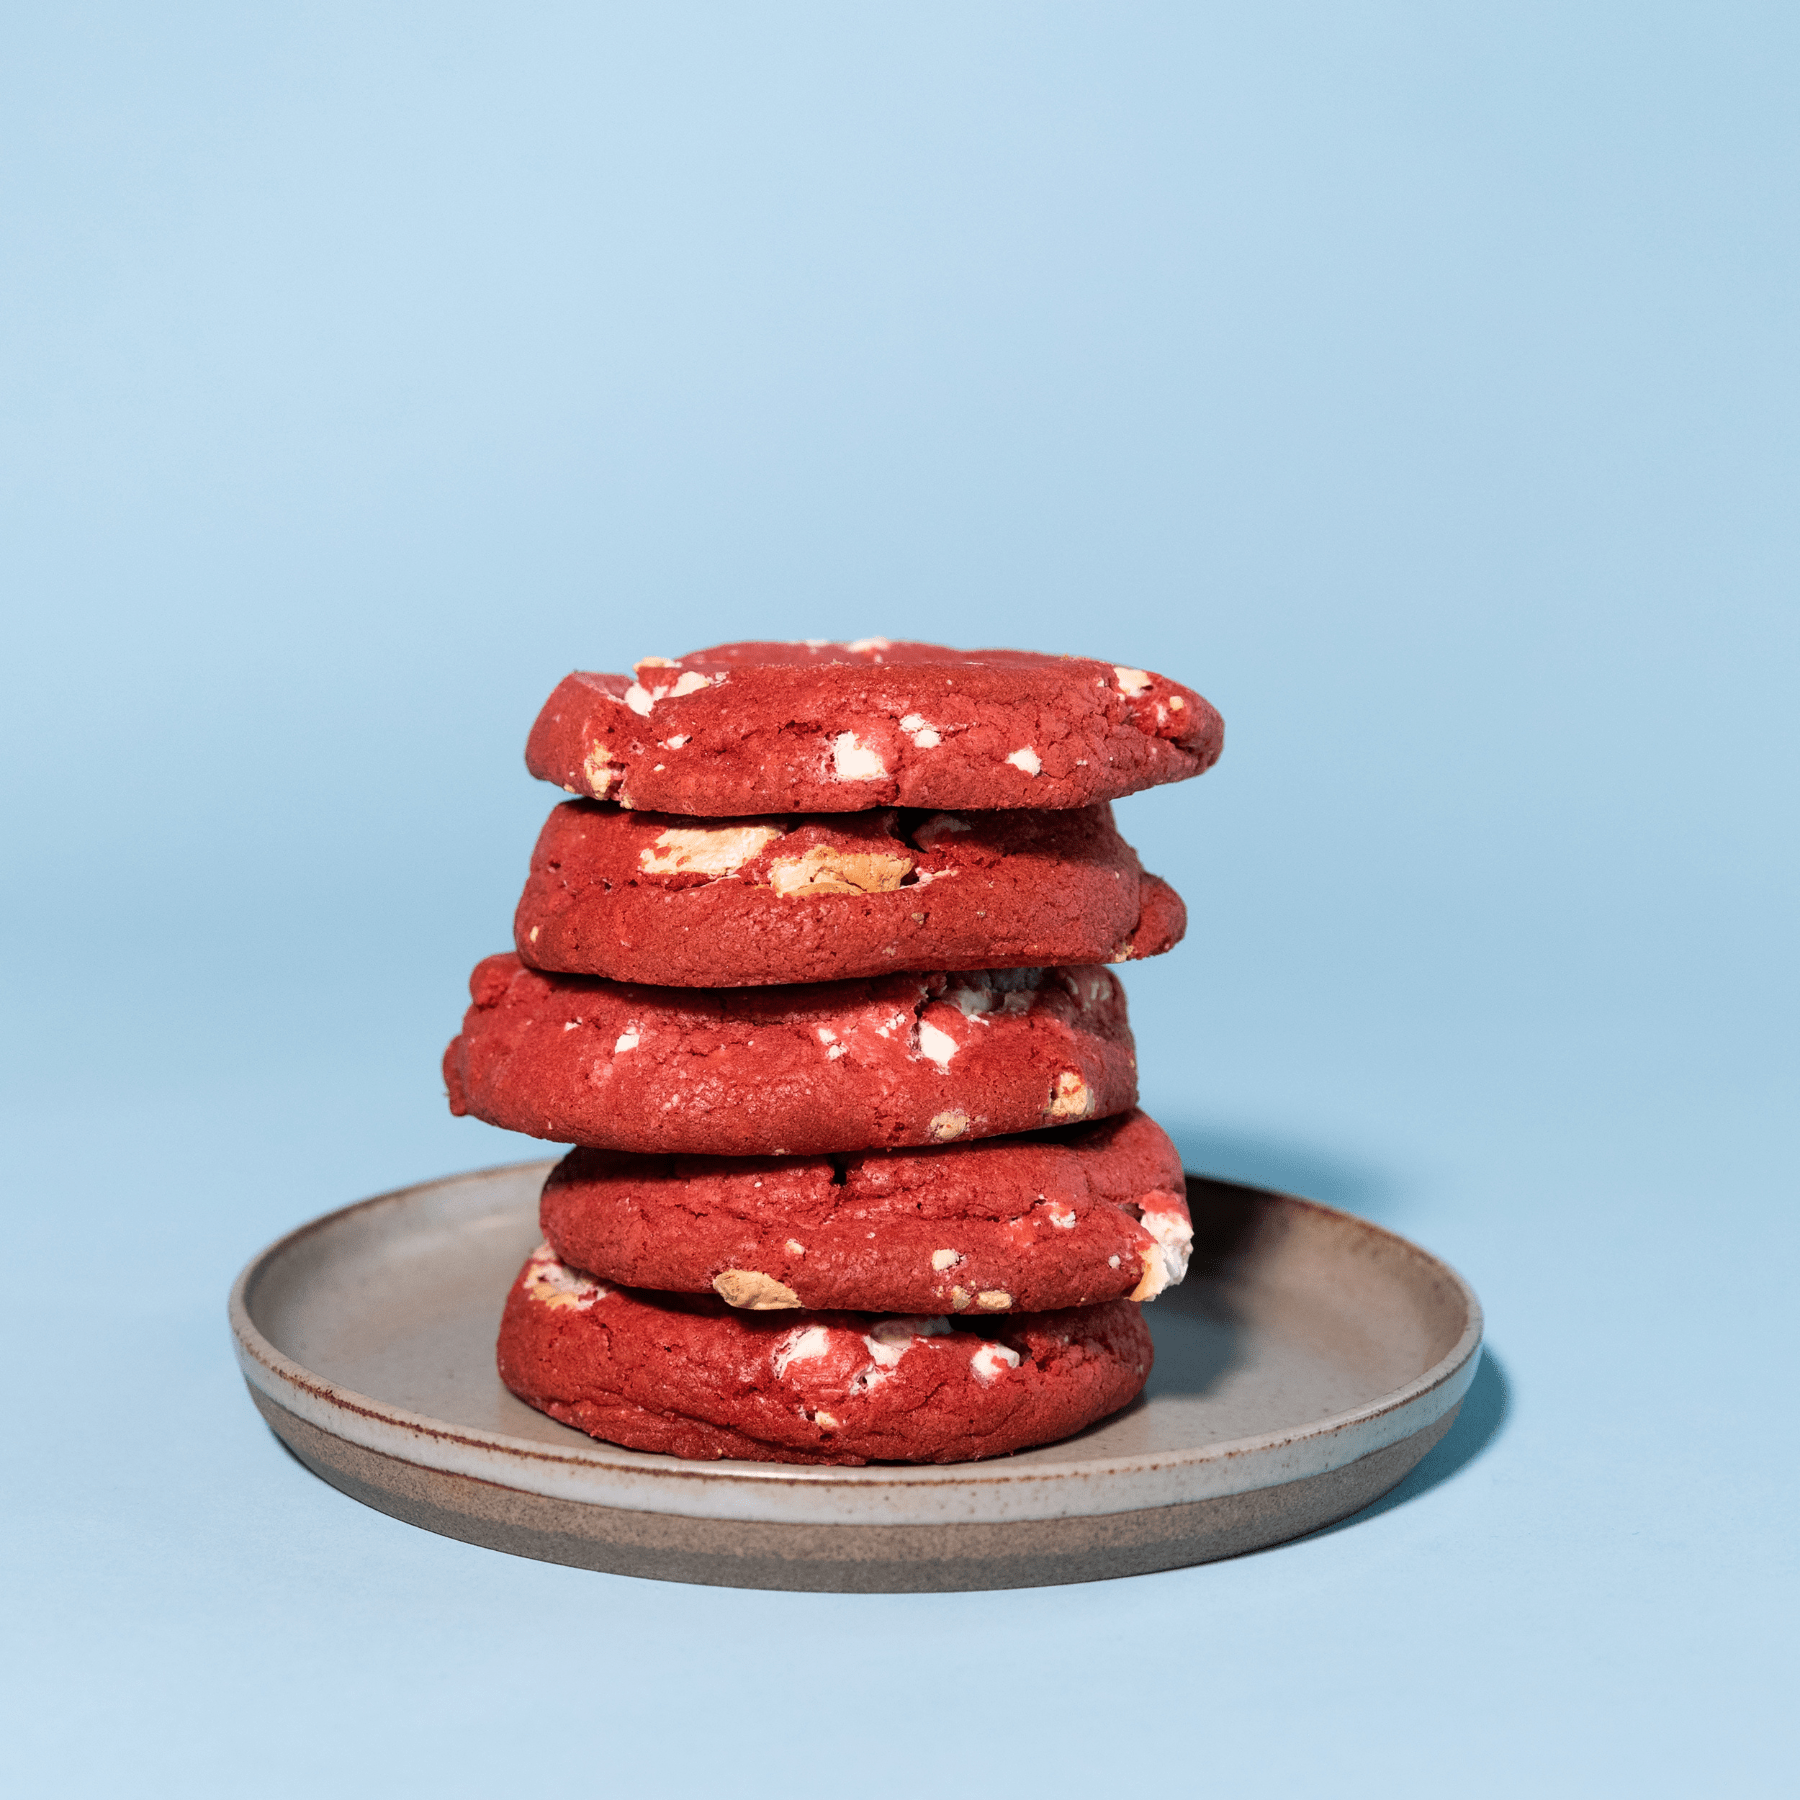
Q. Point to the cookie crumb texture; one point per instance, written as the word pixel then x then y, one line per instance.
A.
pixel 846 1065
pixel 820 727
pixel 743 901
pixel 1063 1218
pixel 691 1377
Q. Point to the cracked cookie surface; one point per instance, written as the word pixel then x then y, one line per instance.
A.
pixel 691 1377
pixel 659 898
pixel 824 1066
pixel 1066 1217
pixel 821 727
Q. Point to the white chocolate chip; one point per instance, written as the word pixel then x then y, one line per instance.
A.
pixel 1026 759
pixel 802 1345
pixel 947 1125
pixel 852 760
pixel 552 1283
pixel 994 1299
pixel 945 1259
pixel 1063 1218
pixel 939 1046
pixel 863 646
pixel 987 1362
pixel 1131 681
pixel 599 775
pixel 626 1040
pixel 1071 1098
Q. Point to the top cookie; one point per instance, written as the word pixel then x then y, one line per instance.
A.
pixel 820 727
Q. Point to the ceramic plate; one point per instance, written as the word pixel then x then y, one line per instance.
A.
pixel 1304 1367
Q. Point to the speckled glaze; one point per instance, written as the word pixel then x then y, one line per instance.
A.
pixel 1305 1366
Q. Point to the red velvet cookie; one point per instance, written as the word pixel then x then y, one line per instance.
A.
pixel 691 1377
pixel 1016 1224
pixel 740 902
pixel 819 727
pixel 840 1065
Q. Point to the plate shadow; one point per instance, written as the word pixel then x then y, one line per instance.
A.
pixel 1485 1410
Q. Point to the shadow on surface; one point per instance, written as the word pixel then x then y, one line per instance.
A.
pixel 1483 1417
pixel 1289 1166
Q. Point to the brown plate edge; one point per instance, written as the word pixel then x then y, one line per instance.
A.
pixel 847 1559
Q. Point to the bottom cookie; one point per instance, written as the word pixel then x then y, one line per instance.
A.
pixel 689 1376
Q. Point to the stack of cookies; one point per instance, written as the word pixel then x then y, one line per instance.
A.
pixel 812 976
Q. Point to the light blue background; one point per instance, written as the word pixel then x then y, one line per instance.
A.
pixel 1418 381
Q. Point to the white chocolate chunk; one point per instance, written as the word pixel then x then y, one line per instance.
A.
pixel 939 1046
pixel 925 737
pixel 626 1040
pixel 945 1259
pixel 753 1290
pixel 1166 1262
pixel 994 1299
pixel 863 646
pixel 987 1362
pixel 1071 1098
pixel 827 870
pixel 706 849
pixel 947 1125
pixel 1026 759
pixel 1131 681
pixel 885 1351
